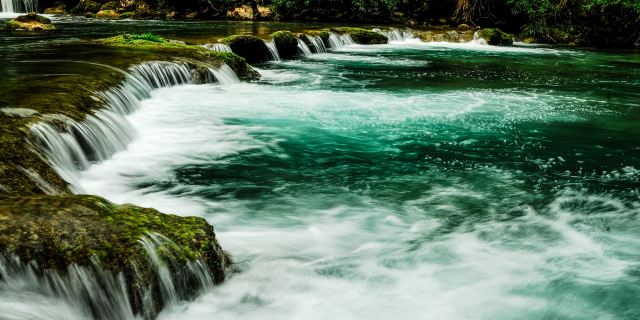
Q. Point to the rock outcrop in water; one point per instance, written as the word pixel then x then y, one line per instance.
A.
pixel 496 37
pixel 362 36
pixel 287 44
pixel 251 48
pixel 56 232
pixel 29 22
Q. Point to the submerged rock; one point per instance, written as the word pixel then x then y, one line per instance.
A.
pixel 57 232
pixel 496 37
pixel 287 44
pixel 251 48
pixel 29 22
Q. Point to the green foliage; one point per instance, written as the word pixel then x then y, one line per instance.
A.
pixel 144 36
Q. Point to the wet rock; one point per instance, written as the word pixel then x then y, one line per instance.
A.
pixel 56 232
pixel 251 48
pixel 287 44
pixel 107 14
pixel 58 8
pixel 29 22
pixel 87 6
pixel 496 37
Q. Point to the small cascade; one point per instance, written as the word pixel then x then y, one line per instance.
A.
pixel 19 6
pixel 174 287
pixel 218 47
pixel 224 75
pixel 72 146
pixel 303 48
pixel 339 41
pixel 318 44
pixel 159 74
pixel 395 34
pixel 477 39
pixel 90 292
pixel 273 50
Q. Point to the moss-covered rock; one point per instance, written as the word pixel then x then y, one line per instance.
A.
pixel 445 35
pixel 29 22
pixel 368 37
pixel 127 15
pixel 287 44
pixel 165 49
pixel 251 48
pixel 496 37
pixel 58 231
pixel 58 8
pixel 86 6
pixel 107 14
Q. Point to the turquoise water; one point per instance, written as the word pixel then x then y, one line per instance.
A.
pixel 415 181
pixel 411 180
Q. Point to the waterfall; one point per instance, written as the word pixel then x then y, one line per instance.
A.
pixel 224 75
pixel 160 74
pixel 273 50
pixel 303 48
pixel 72 146
pixel 395 34
pixel 339 41
pixel 19 6
pixel 477 39
pixel 90 292
pixel 318 44
pixel 219 47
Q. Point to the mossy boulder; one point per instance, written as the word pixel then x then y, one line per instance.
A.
pixel 107 14
pixel 496 37
pixel 251 48
pixel 87 6
pixel 165 49
pixel 29 22
pixel 58 8
pixel 362 36
pixel 368 37
pixel 287 44
pixel 59 231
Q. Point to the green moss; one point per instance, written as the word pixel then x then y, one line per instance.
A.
pixel 33 17
pixel 107 14
pixel 251 48
pixel 28 22
pixel 496 37
pixel 368 37
pixel 57 231
pixel 287 44
pixel 127 15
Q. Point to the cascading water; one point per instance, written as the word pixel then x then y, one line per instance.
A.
pixel 318 44
pixel 218 47
pixel 90 292
pixel 339 41
pixel 477 39
pixel 71 146
pixel 394 34
pixel 273 50
pixel 303 48
pixel 19 6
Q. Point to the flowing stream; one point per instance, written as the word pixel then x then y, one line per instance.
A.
pixel 401 181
